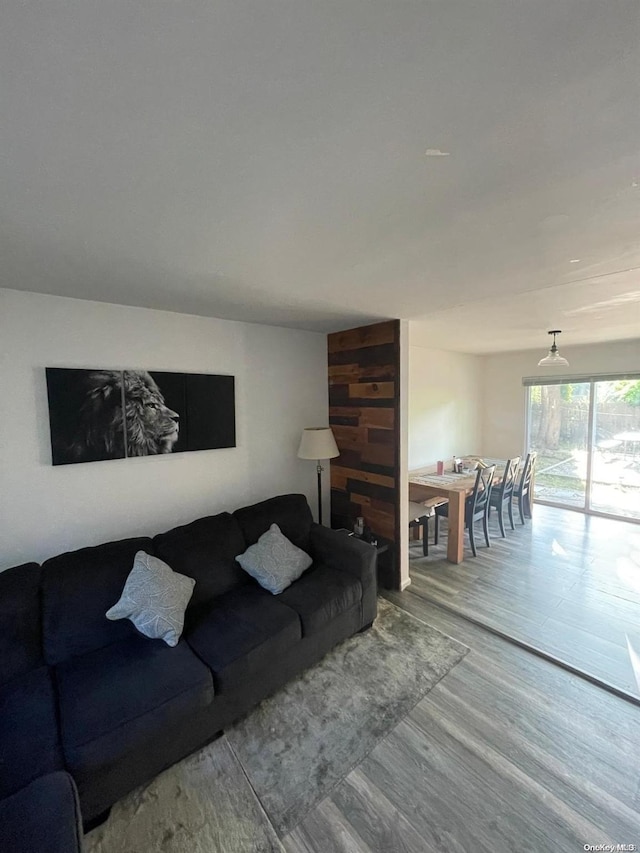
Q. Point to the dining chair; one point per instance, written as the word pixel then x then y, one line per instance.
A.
pixel 522 492
pixel 419 515
pixel 476 506
pixel 502 494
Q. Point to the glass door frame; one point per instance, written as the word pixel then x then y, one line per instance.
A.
pixel 591 425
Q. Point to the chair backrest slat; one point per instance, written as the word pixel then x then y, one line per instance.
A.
pixel 481 493
pixel 527 472
pixel 510 477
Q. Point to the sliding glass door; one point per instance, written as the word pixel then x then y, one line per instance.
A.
pixel 559 431
pixel 587 435
pixel 615 481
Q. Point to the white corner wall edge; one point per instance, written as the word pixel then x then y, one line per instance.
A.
pixel 281 387
pixel 403 474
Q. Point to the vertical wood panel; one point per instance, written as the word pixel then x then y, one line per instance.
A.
pixel 364 405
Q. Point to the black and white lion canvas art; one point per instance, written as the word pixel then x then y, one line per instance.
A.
pixel 111 414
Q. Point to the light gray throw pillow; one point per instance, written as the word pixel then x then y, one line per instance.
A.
pixel 274 561
pixel 154 598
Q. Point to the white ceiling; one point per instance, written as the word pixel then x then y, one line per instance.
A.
pixel 264 160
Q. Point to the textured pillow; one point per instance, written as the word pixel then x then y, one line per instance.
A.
pixel 154 598
pixel 274 561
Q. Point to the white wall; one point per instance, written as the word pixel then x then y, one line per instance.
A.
pixel 281 387
pixel 444 405
pixel 503 398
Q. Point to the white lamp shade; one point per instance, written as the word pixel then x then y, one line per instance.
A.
pixel 318 443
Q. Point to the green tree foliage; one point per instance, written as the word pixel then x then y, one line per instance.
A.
pixel 567 392
pixel 628 391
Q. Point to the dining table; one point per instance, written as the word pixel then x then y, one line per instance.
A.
pixel 425 483
pixel 629 438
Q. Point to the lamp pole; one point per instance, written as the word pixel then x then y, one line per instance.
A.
pixel 319 469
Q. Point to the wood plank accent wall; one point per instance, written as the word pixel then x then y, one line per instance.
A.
pixel 364 405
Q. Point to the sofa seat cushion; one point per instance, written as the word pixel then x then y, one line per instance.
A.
pixel 135 684
pixel 320 595
pixel 243 635
pixel 29 740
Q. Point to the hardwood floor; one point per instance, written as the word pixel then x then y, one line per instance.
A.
pixel 508 752
pixel 566 583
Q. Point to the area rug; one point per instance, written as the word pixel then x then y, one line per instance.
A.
pixel 276 765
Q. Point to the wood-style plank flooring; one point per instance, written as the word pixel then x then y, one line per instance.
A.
pixel 566 583
pixel 507 753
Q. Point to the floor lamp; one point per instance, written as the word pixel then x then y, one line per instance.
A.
pixel 318 443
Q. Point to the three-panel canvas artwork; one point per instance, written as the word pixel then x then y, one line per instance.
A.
pixel 113 414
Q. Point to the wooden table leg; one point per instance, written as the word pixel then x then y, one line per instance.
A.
pixel 455 544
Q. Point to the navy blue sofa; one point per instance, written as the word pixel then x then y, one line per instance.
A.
pixel 113 708
pixel 42 817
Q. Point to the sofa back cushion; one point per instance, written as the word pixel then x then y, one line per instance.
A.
pixel 205 550
pixel 20 634
pixel 77 590
pixel 290 512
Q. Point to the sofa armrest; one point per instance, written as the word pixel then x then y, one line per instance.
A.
pixel 44 817
pixel 347 554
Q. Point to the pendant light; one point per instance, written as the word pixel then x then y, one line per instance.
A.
pixel 553 359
